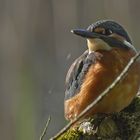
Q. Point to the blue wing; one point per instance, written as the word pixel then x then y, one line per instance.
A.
pixel 76 73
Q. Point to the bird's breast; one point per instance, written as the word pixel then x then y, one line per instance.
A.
pixel 98 77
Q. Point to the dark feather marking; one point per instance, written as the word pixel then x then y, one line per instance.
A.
pixel 77 73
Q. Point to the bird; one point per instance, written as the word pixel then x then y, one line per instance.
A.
pixel 109 49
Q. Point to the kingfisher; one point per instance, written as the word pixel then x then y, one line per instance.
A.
pixel 109 51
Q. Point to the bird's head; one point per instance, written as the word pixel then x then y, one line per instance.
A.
pixel 104 35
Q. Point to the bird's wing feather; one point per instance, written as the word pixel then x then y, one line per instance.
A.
pixel 77 72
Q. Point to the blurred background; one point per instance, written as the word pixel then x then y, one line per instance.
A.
pixel 36 50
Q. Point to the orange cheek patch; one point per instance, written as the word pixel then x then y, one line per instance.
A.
pixel 99 30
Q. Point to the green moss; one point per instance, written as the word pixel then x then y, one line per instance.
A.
pixel 71 134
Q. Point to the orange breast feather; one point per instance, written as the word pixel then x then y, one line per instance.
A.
pixel 98 77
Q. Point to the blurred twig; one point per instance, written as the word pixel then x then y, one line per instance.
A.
pixel 99 98
pixel 45 129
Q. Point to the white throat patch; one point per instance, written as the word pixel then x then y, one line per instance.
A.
pixel 97 44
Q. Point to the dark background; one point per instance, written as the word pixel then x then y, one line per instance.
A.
pixel 36 50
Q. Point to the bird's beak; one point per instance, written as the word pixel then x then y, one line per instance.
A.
pixel 85 33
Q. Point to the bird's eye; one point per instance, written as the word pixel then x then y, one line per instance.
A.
pixel 103 32
pixel 108 32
